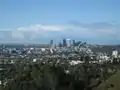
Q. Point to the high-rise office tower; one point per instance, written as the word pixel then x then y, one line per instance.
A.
pixel 51 43
pixel 64 42
pixel 73 42
pixel 68 42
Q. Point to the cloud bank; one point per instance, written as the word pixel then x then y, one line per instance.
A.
pixel 93 32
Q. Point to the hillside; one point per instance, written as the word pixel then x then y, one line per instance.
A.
pixel 113 83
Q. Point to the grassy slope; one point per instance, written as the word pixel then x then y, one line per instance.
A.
pixel 115 80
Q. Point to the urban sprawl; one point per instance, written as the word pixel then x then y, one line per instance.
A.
pixel 66 54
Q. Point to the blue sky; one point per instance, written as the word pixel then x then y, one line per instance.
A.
pixel 38 21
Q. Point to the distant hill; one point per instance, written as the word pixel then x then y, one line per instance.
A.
pixel 113 83
pixel 105 48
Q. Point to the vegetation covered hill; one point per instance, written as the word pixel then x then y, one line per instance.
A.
pixel 113 83
pixel 53 76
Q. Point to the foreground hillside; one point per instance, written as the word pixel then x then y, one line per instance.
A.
pixel 113 83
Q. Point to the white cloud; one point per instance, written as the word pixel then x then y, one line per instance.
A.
pixel 40 31
pixel 40 27
pixel 82 30
pixel 107 31
pixel 100 28
pixel 53 28
pixel 36 30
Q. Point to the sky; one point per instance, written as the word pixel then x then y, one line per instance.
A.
pixel 39 21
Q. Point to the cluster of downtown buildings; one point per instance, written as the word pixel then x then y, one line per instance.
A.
pixel 67 50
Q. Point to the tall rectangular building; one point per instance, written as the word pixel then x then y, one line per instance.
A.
pixel 68 42
pixel 64 42
pixel 73 42
pixel 51 43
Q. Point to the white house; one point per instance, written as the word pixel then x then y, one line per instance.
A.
pixel 75 62
pixel 34 60
pixel 115 53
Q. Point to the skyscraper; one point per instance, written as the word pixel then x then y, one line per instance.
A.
pixel 68 42
pixel 73 42
pixel 51 43
pixel 64 42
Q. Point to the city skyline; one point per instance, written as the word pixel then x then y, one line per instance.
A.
pixel 39 21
